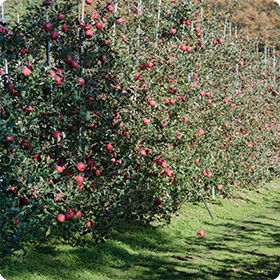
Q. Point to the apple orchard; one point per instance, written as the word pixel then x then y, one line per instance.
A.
pixel 125 114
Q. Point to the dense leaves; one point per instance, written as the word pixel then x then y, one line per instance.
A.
pixel 129 121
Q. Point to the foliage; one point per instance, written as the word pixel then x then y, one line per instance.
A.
pixel 148 136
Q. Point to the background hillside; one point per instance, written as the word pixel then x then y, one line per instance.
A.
pixel 254 15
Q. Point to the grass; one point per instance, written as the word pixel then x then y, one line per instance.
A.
pixel 242 242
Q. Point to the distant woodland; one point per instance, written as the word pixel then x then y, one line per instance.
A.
pixel 248 15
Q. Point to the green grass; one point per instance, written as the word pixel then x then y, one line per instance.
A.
pixel 242 242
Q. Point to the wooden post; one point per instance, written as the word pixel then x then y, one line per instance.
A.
pixel 139 30
pixel 213 192
pixel 79 13
pixel 274 63
pixel 265 50
pixel 6 71
pixel 83 10
pixel 82 49
pixel 48 49
pixel 235 32
pixel 225 27
pixel 230 29
pixel 159 11
pixel 201 11
pixel 114 26
pixel 2 10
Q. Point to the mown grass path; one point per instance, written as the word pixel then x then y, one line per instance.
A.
pixel 242 242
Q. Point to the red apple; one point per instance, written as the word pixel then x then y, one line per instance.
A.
pixel 169 172
pixel 110 7
pixel 183 47
pixel 47 26
pixel 146 121
pixel 74 64
pixel 201 131
pixel 79 214
pixel 201 232
pixel 64 27
pixel 98 25
pixel 48 3
pixel 205 173
pixel 26 145
pixel 26 71
pixel 69 214
pixel 68 59
pixel 58 197
pixel 90 223
pixel 58 80
pixel 81 81
pixel 54 35
pixel 79 179
pixel 89 34
pixel 89 2
pixel 119 21
pixel 109 147
pixel 152 102
pixel 56 134
pixel 207 191
pixel 59 169
pixel 60 218
pixel 81 166
pixel 23 201
pixel 125 133
pixel 219 187
pixel 9 138
pixel 95 15
pixel 158 201
pixel 61 16
pixel 97 172
pixel 173 30
pixel 151 64
pixel 143 153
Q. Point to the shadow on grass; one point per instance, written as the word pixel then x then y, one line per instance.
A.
pixel 236 249
pixel 143 254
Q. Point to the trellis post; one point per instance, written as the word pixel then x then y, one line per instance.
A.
pixel 139 30
pixel 159 11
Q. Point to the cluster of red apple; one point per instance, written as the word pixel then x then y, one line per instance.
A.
pixel 68 215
